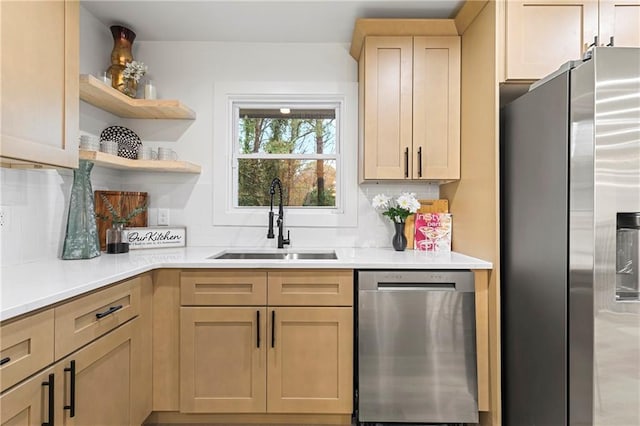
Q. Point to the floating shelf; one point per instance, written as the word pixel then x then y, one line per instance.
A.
pixel 109 99
pixel 115 162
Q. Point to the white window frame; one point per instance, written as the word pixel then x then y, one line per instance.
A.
pixel 228 95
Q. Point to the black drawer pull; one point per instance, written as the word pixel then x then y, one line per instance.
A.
pixel 419 161
pixel 273 329
pixel 258 319
pixel 406 162
pixel 108 311
pixel 72 389
pixel 51 384
pixel 5 360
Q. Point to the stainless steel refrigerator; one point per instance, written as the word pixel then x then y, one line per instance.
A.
pixel 570 215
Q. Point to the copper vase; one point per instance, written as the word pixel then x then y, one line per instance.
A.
pixel 120 56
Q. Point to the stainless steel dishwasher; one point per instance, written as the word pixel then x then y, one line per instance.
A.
pixel 417 347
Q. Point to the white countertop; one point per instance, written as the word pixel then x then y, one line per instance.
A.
pixel 27 287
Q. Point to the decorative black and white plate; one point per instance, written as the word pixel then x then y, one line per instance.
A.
pixel 128 141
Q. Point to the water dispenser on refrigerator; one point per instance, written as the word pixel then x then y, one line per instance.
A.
pixel 628 257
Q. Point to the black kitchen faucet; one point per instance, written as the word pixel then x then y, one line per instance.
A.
pixel 281 240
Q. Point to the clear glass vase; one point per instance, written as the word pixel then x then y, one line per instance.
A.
pixel 129 88
pixel 81 238
pixel 117 239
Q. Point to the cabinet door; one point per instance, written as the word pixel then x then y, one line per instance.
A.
pixel 542 35
pixel 102 381
pixel 387 107
pixel 436 108
pixel 222 360
pixel 40 55
pixel 310 360
pixel 620 19
pixel 28 403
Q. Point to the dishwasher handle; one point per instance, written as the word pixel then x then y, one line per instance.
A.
pixel 460 281
pixel 416 286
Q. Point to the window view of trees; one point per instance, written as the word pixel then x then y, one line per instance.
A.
pixel 297 145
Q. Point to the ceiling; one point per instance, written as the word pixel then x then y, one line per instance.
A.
pixel 304 21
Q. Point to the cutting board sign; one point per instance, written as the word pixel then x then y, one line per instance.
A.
pixel 123 202
pixel 426 206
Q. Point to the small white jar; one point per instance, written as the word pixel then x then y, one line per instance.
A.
pixel 150 90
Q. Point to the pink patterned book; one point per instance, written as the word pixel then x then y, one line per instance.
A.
pixel 433 232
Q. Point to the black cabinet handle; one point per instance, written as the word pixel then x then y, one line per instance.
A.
pixel 258 319
pixel 51 384
pixel 610 42
pixel 420 161
pixel 108 311
pixel 4 360
pixel 273 329
pixel 72 389
pixel 406 162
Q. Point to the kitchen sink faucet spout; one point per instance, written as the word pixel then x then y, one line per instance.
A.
pixel 280 221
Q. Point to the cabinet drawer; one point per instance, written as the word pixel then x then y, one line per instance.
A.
pixel 84 319
pixel 332 287
pixel 223 287
pixel 26 346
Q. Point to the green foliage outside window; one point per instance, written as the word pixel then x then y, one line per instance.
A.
pixel 265 137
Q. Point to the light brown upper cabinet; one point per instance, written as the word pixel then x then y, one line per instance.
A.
pixel 620 19
pixel 539 36
pixel 40 57
pixel 410 107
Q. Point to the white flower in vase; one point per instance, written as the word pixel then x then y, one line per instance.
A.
pixel 398 211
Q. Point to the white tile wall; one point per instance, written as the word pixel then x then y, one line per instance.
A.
pixel 32 203
pixel 35 204
pixel 35 208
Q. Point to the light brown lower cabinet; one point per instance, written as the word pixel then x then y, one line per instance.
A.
pixel 310 360
pixel 98 385
pixel 222 360
pixel 266 359
pixel 106 382
pixel 98 381
pixel 292 354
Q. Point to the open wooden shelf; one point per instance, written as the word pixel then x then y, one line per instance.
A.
pixel 109 99
pixel 115 162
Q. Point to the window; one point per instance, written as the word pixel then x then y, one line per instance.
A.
pixel 303 133
pixel 296 143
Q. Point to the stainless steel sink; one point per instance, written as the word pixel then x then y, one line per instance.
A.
pixel 329 255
